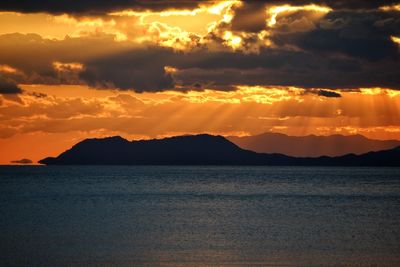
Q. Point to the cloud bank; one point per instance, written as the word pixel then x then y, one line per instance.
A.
pixel 324 44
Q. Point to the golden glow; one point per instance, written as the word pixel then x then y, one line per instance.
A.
pixel 170 28
pixel 232 40
pixel 132 13
pixel 169 69
pixel 205 15
pixel 372 91
pixel 51 113
pixel 391 8
pixel 42 24
pixel 83 22
pixel 221 6
pixel 173 28
pixel 217 8
pixel 393 93
pixel 269 95
pixel 380 91
pixel 172 37
pixel 276 10
pixel 7 69
pixel 59 66
pixel 396 39
pixel 86 26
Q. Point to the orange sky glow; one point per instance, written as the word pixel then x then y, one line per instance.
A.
pixel 53 112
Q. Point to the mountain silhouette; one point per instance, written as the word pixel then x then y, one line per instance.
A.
pixel 312 145
pixel 198 150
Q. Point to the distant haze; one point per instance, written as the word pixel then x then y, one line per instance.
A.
pixel 311 145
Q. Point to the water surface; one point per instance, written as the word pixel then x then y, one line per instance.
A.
pixel 199 216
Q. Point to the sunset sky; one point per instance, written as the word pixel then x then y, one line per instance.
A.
pixel 71 70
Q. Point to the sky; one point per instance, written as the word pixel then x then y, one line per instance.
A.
pixel 151 69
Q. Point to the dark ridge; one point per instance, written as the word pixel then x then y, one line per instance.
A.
pixel 312 145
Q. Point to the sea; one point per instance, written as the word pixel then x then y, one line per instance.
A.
pixel 199 216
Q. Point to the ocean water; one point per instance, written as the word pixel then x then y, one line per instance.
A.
pixel 199 216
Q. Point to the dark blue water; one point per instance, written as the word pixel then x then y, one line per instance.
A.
pixel 199 216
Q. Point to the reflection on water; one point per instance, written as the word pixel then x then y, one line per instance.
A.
pixel 199 216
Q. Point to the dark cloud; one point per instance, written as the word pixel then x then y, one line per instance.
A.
pixel 326 93
pixel 355 34
pixel 335 4
pixel 8 86
pixel 103 6
pixel 250 17
pixel 143 70
pixel 93 6
pixel 355 4
pixel 33 56
pixel 22 161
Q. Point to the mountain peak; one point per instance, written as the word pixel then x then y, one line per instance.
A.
pixel 116 138
pixel 187 149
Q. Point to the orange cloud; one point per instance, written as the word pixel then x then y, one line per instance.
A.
pixel 8 69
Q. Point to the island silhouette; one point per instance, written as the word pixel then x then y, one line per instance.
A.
pixel 200 149
pixel 312 145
